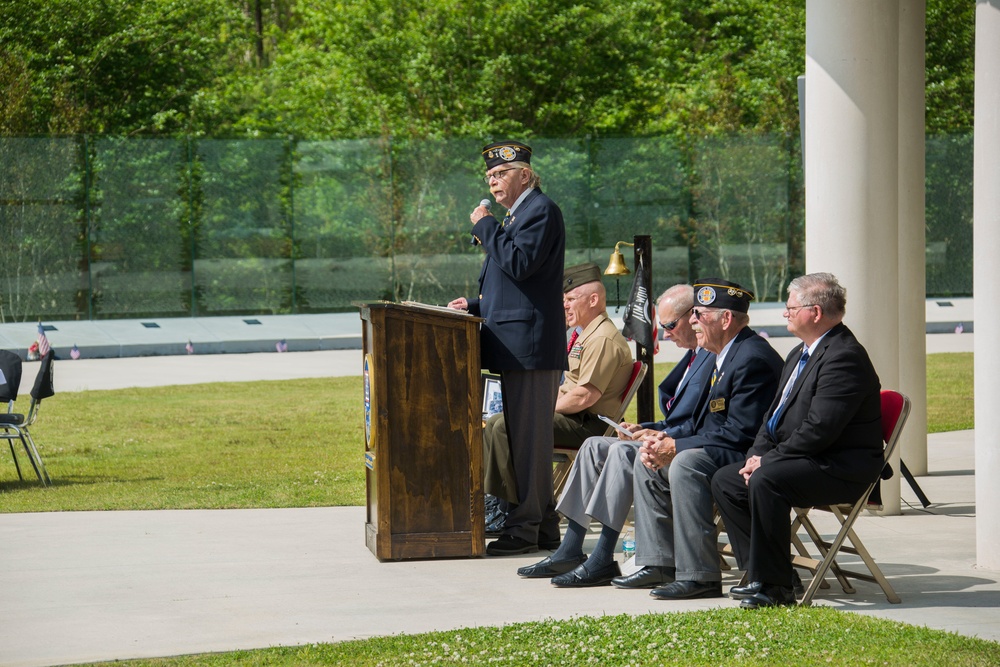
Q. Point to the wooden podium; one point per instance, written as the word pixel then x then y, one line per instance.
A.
pixel 423 432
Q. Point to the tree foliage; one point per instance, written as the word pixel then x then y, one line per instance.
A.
pixel 428 68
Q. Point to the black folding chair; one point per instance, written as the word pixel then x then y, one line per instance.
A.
pixel 15 426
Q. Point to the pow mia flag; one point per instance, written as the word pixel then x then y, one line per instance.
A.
pixel 638 317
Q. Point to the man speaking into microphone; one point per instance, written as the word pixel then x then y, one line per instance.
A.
pixel 523 333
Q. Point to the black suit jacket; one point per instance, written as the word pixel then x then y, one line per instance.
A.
pixel 520 288
pixel 679 420
pixel 833 414
pixel 732 410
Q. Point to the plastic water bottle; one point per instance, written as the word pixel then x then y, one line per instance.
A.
pixel 628 544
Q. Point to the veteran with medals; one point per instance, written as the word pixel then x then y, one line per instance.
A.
pixel 675 532
pixel 523 335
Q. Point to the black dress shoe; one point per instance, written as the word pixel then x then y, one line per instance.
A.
pixel 581 577
pixel 751 589
pixel 508 545
pixel 688 590
pixel 744 592
pixel 549 545
pixel 548 568
pixel 769 595
pixel 650 576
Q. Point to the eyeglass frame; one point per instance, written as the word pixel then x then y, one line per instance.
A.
pixel 791 309
pixel 497 174
pixel 670 326
pixel 699 313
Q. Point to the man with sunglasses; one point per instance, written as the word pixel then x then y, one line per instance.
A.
pixel 523 335
pixel 674 510
pixel 599 485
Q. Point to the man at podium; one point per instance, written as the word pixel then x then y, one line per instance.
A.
pixel 600 365
pixel 523 335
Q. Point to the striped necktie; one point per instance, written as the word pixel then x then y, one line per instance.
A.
pixel 772 423
pixel 683 378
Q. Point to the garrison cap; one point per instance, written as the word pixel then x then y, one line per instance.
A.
pixel 719 293
pixel 581 274
pixel 503 152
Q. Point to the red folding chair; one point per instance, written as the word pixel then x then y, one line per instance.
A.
pixel 895 410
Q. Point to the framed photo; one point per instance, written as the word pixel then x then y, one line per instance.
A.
pixel 492 395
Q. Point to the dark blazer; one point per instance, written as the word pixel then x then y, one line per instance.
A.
pixel 520 288
pixel 678 422
pixel 732 411
pixel 833 414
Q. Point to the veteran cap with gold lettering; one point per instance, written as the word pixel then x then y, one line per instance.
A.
pixel 581 274
pixel 503 152
pixel 719 293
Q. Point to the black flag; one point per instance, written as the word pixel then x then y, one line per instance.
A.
pixel 638 317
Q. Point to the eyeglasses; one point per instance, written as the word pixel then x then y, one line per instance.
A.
pixel 496 174
pixel 792 309
pixel 699 313
pixel 670 326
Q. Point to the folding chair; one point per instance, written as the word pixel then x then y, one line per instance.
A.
pixel 895 410
pixel 563 457
pixel 14 426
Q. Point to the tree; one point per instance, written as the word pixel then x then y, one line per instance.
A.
pixel 111 67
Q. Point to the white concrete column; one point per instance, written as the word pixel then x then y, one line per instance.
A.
pixel 851 171
pixel 986 277
pixel 912 236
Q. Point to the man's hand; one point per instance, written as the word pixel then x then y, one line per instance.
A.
pixel 461 303
pixel 752 464
pixel 647 434
pixel 656 453
pixel 477 213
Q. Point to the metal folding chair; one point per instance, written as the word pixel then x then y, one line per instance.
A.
pixel 895 410
pixel 15 426
pixel 563 457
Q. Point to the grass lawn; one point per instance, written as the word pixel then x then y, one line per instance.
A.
pixel 796 637
pixel 297 443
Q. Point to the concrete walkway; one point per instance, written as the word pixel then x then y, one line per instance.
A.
pixel 86 586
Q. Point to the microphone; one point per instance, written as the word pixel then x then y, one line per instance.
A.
pixel 487 204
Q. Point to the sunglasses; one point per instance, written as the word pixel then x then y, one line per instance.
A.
pixel 670 326
pixel 699 313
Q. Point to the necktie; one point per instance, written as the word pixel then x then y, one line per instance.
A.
pixel 683 377
pixel 572 339
pixel 506 220
pixel 772 423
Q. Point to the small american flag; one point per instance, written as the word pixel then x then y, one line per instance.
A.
pixel 43 342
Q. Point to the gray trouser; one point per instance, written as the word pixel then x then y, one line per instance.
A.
pixel 599 484
pixel 674 524
pixel 529 402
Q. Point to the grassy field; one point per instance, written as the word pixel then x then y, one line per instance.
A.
pixel 797 637
pixel 290 443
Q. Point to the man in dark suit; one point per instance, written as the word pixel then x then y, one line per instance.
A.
pixel 675 530
pixel 599 485
pixel 820 444
pixel 523 336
